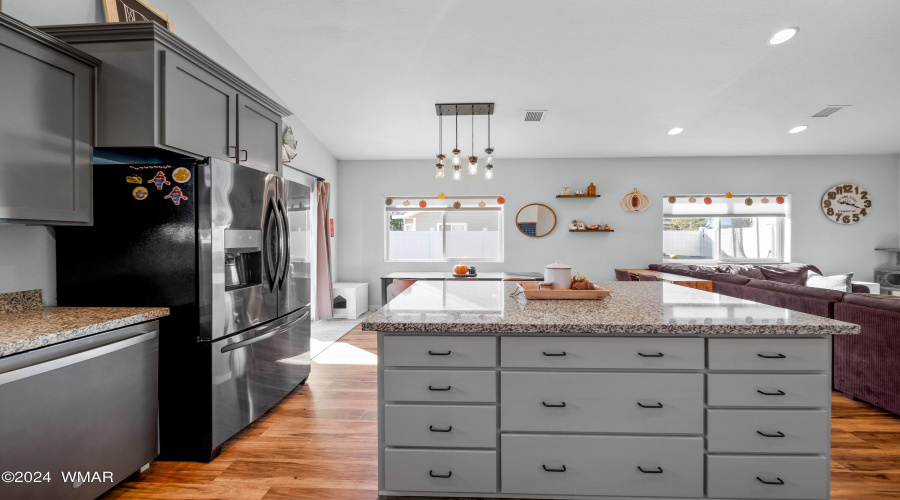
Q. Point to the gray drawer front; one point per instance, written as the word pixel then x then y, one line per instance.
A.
pixel 725 389
pixel 413 470
pixel 736 477
pixel 602 402
pixel 602 464
pixel 467 386
pixel 430 351
pixel 440 426
pixel 645 353
pixel 768 431
pixel 770 354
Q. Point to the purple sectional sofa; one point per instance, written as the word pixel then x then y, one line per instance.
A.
pixel 866 366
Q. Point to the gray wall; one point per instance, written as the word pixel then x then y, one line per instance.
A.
pixel 637 240
pixel 191 26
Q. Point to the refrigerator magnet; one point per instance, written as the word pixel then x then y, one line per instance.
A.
pixel 176 195
pixel 140 193
pixel 159 180
pixel 134 179
pixel 181 175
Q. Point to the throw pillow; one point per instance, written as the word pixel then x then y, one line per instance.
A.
pixel 840 282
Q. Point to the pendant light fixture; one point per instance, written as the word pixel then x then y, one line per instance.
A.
pixel 473 160
pixel 439 167
pixel 489 159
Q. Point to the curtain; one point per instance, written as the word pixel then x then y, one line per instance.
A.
pixel 324 291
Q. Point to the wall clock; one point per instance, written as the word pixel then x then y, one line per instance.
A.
pixel 846 203
pixel 288 145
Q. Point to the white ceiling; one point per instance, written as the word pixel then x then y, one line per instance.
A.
pixel 614 75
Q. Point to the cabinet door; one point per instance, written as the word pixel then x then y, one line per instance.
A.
pixel 259 136
pixel 46 133
pixel 198 110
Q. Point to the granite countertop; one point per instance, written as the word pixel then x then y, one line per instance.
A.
pixel 23 329
pixel 631 308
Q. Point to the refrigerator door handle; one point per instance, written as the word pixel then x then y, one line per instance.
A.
pixel 286 247
pixel 272 261
pixel 251 341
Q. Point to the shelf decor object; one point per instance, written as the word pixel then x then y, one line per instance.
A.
pixel 592 230
pixel 578 196
pixel 288 145
pixel 635 201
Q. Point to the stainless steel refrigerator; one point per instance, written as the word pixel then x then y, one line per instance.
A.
pixel 227 249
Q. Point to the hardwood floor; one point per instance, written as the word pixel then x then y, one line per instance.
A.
pixel 321 443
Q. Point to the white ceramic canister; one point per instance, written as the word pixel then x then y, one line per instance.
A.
pixel 558 274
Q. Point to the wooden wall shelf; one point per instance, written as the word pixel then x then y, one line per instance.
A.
pixel 592 230
pixel 578 196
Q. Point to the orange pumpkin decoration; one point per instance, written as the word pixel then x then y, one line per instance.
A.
pixel 460 269
pixel 707 200
pixel 729 195
pixel 501 200
pixel 422 204
pixel 779 200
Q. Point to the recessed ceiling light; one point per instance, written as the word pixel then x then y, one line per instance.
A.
pixel 676 131
pixel 783 35
pixel 798 128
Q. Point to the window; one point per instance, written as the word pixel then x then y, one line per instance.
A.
pixel 726 229
pixel 440 232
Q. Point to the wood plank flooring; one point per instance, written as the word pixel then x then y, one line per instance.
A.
pixel 320 443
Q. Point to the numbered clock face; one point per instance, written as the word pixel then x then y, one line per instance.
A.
pixel 846 203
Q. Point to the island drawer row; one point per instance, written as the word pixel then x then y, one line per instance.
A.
pixel 624 353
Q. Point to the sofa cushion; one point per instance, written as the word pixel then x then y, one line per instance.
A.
pixel 731 289
pixel 820 293
pixel 735 279
pixel 694 267
pixel 838 282
pixel 674 269
pixel 743 270
pixel 884 302
pixel 702 274
pixel 793 274
pixel 653 267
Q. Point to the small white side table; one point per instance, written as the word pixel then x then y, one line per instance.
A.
pixel 351 299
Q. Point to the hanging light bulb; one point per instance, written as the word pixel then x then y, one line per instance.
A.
pixel 439 166
pixel 457 173
pixel 473 160
pixel 489 155
pixel 456 149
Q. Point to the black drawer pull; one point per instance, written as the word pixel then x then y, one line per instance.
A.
pixel 657 405
pixel 430 388
pixel 432 353
pixel 561 405
pixel 432 429
pixel 778 481
pixel 445 476
pixel 562 469
pixel 657 355
pixel 776 393
pixel 657 471
pixel 770 356
pixel 778 434
pixel 563 353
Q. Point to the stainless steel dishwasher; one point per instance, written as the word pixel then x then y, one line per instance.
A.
pixel 82 414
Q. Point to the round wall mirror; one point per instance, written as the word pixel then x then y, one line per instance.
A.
pixel 536 220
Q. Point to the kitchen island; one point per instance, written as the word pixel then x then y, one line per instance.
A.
pixel 657 391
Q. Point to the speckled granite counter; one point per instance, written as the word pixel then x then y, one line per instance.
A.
pixel 28 329
pixel 631 308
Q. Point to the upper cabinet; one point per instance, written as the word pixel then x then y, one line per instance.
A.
pixel 155 90
pixel 46 127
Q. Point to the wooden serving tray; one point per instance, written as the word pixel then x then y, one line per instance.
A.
pixel 532 290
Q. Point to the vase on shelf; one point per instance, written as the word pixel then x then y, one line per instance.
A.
pixel 592 190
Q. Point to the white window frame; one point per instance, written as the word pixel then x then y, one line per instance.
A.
pixel 782 243
pixel 442 227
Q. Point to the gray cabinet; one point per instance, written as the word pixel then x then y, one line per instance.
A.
pixel 158 91
pixel 198 111
pixel 46 127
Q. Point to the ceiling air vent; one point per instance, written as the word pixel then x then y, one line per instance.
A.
pixel 534 116
pixel 830 110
